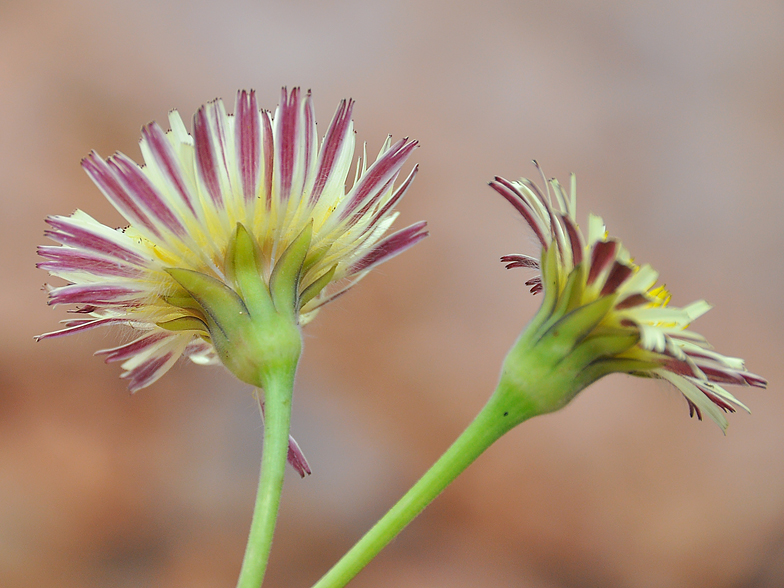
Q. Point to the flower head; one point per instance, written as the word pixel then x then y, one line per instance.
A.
pixel 246 217
pixel 618 318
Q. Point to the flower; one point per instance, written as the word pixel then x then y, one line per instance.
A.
pixel 594 283
pixel 246 214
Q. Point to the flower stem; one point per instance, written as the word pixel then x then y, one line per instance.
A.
pixel 277 396
pixel 496 418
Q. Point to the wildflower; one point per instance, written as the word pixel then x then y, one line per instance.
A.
pixel 237 235
pixel 603 313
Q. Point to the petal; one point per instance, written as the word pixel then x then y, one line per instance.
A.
pixel 214 145
pixel 520 260
pixel 107 181
pixel 139 187
pixel 335 155
pixel 165 170
pixel 77 326
pixel 695 396
pixel 512 195
pixel 129 350
pixel 248 146
pixel 617 276
pixel 376 180
pixel 103 294
pixel 390 204
pixel 81 231
pixel 602 254
pixel 154 360
pixel 389 247
pixel 295 145
pixel 67 261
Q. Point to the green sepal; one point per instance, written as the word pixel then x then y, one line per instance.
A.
pixel 185 323
pixel 223 308
pixel 604 367
pixel 601 348
pixel 549 268
pixel 543 372
pixel 314 256
pixel 284 280
pixel 550 278
pixel 228 258
pixel 316 287
pixel 565 302
pixel 575 298
pixel 243 252
pixel 182 299
pixel 565 334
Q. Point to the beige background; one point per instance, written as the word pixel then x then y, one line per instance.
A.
pixel 671 115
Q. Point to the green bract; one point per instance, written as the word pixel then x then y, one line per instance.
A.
pixel 252 327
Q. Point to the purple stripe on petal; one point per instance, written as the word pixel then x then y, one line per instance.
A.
pixel 535 189
pixel 332 147
pixel 98 295
pixel 75 234
pixel 268 151
pixel 519 260
pixel 103 176
pixel 618 275
pixel 81 325
pixel 296 459
pixel 167 162
pixel 535 285
pixel 211 140
pixel 722 376
pixel 389 247
pixel 680 367
pixel 512 189
pixel 359 214
pixel 286 141
pixel 694 409
pixel 603 252
pixel 632 301
pixel 247 133
pixel 754 380
pixel 147 372
pixel 87 309
pixel 377 177
pixel 65 259
pixel 575 239
pixel 399 193
pixel 206 156
pixel 714 398
pixel 133 348
pixel 309 132
pixel 139 186
pixel 510 193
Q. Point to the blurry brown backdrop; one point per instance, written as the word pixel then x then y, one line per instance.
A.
pixel 671 114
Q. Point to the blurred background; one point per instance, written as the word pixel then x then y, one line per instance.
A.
pixel 672 116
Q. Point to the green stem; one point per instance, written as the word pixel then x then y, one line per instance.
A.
pixel 277 421
pixel 497 417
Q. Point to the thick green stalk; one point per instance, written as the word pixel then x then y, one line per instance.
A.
pixel 277 395
pixel 496 418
